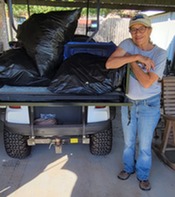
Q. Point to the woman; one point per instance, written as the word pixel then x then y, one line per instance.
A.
pixel 147 63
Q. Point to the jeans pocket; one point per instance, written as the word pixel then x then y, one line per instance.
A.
pixel 153 102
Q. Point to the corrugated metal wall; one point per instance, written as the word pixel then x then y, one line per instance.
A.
pixel 164 32
pixel 163 17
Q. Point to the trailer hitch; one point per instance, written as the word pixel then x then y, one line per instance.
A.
pixel 58 145
pixel 57 142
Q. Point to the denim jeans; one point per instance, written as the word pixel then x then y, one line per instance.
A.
pixel 139 122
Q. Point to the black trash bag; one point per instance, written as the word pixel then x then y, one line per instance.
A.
pixel 44 35
pixel 85 74
pixel 18 69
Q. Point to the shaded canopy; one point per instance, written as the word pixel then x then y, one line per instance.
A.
pixel 164 5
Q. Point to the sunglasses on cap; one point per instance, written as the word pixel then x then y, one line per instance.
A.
pixel 139 16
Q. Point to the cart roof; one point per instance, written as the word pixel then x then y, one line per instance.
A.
pixel 165 5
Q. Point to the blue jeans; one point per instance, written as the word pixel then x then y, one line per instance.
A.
pixel 139 122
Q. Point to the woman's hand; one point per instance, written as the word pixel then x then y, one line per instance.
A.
pixel 147 62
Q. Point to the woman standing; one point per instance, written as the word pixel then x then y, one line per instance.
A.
pixel 147 63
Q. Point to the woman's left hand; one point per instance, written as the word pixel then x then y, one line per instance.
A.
pixel 147 62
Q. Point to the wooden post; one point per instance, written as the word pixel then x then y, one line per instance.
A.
pixel 3 28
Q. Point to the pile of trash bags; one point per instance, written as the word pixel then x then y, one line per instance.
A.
pixel 39 61
pixel 86 74
pixel 41 39
pixel 17 68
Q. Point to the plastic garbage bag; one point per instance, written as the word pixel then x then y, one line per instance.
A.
pixel 44 35
pixel 86 74
pixel 18 69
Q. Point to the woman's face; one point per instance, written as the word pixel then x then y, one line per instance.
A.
pixel 140 34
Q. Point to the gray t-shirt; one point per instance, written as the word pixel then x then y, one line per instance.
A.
pixel 158 55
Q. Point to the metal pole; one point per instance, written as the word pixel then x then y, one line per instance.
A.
pixel 12 26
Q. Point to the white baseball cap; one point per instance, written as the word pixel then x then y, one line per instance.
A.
pixel 140 19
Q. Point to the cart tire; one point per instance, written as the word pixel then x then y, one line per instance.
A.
pixel 16 145
pixel 101 142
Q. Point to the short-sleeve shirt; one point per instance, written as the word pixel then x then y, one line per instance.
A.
pixel 158 55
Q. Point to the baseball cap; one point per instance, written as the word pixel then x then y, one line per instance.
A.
pixel 140 19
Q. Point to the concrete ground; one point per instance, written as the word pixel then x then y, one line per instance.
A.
pixel 77 173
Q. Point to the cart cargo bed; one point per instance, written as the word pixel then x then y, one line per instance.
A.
pixel 42 94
